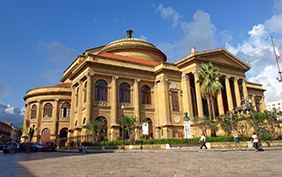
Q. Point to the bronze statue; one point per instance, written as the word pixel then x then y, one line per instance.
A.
pixel 31 132
pixel 246 105
pixel 186 118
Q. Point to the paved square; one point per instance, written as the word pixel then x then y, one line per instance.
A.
pixel 157 163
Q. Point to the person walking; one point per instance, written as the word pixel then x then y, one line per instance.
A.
pixel 203 139
pixel 255 140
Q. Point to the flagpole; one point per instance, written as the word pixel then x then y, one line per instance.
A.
pixel 279 72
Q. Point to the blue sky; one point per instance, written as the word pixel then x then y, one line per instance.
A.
pixel 39 39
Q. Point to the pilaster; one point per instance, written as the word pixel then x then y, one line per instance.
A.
pixel 245 90
pixel 254 102
pixel 187 97
pixel 220 103
pixel 114 105
pixel 55 118
pixel 163 101
pixel 89 97
pixel 262 103
pixel 26 120
pixel 38 117
pixel 136 99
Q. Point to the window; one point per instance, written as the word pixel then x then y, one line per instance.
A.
pixel 124 93
pixel 175 104
pixel 85 91
pixel 65 110
pixel 77 94
pixel 145 95
pixel 101 91
pixel 47 110
pixel 33 111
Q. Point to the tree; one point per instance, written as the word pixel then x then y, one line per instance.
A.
pixel 96 127
pixel 129 124
pixel 209 85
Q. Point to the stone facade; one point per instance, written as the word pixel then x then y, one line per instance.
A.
pixel 134 73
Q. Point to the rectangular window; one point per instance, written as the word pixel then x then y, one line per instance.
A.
pixel 175 104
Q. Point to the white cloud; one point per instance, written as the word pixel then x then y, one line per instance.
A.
pixel 268 79
pixel 51 74
pixel 275 23
pixel 169 13
pixel 278 5
pixel 143 37
pixel 12 114
pixel 5 90
pixel 60 53
pixel 200 34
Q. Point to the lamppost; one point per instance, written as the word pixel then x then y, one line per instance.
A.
pixel 233 130
pixel 122 130
pixel 167 134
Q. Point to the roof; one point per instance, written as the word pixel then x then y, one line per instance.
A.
pixel 125 58
pixel 62 84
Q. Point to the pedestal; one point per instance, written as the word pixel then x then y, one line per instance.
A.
pixel 187 130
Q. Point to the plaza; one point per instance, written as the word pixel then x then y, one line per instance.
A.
pixel 161 163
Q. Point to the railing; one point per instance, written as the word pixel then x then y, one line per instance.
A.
pixel 146 106
pixel 101 103
pixel 47 118
pixel 64 119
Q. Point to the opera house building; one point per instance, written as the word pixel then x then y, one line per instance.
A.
pixel 134 73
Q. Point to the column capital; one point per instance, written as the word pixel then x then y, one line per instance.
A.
pixel 185 77
pixel 262 97
pixel 72 87
pixel 227 77
pixel 79 82
pixel 39 101
pixel 194 72
pixel 136 81
pixel 164 81
pixel 56 100
pixel 114 78
pixel 236 79
pixel 89 75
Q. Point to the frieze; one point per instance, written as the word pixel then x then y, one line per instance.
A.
pixel 174 86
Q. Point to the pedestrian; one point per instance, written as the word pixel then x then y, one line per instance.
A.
pixel 255 140
pixel 203 139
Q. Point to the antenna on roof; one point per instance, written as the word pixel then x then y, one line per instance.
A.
pixel 129 33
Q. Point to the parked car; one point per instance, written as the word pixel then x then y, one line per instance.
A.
pixel 11 147
pixel 48 146
pixel 34 148
pixel 38 145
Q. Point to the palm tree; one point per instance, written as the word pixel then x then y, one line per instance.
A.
pixel 209 85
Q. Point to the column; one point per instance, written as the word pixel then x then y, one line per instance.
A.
pixel 26 121
pixel 220 103
pixel 73 106
pixel 262 103
pixel 228 93
pixel 136 99
pixel 114 105
pixel 187 97
pixel 198 96
pixel 237 91
pixel 89 98
pixel 254 102
pixel 55 118
pixel 245 90
pixel 80 103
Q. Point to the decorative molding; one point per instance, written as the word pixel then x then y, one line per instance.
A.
pixel 194 72
pixel 64 119
pixel 236 79
pixel 38 101
pixel 177 119
pixel 174 86
pixel 56 100
pixel 155 84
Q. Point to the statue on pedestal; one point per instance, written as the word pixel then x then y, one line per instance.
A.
pixel 187 130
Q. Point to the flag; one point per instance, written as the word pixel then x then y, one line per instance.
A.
pixel 276 51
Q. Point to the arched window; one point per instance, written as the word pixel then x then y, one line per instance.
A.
pixel 47 110
pixel 145 95
pixel 257 104
pixel 124 93
pixel 33 111
pixel 65 110
pixel 77 94
pixel 101 91
pixel 85 92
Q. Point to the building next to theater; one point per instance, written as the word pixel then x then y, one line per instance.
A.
pixel 134 73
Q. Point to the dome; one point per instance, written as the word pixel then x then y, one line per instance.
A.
pixel 136 48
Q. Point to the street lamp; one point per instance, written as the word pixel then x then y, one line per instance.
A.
pixel 122 130
pixel 233 130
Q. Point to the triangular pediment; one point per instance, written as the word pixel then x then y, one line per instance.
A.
pixel 218 56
